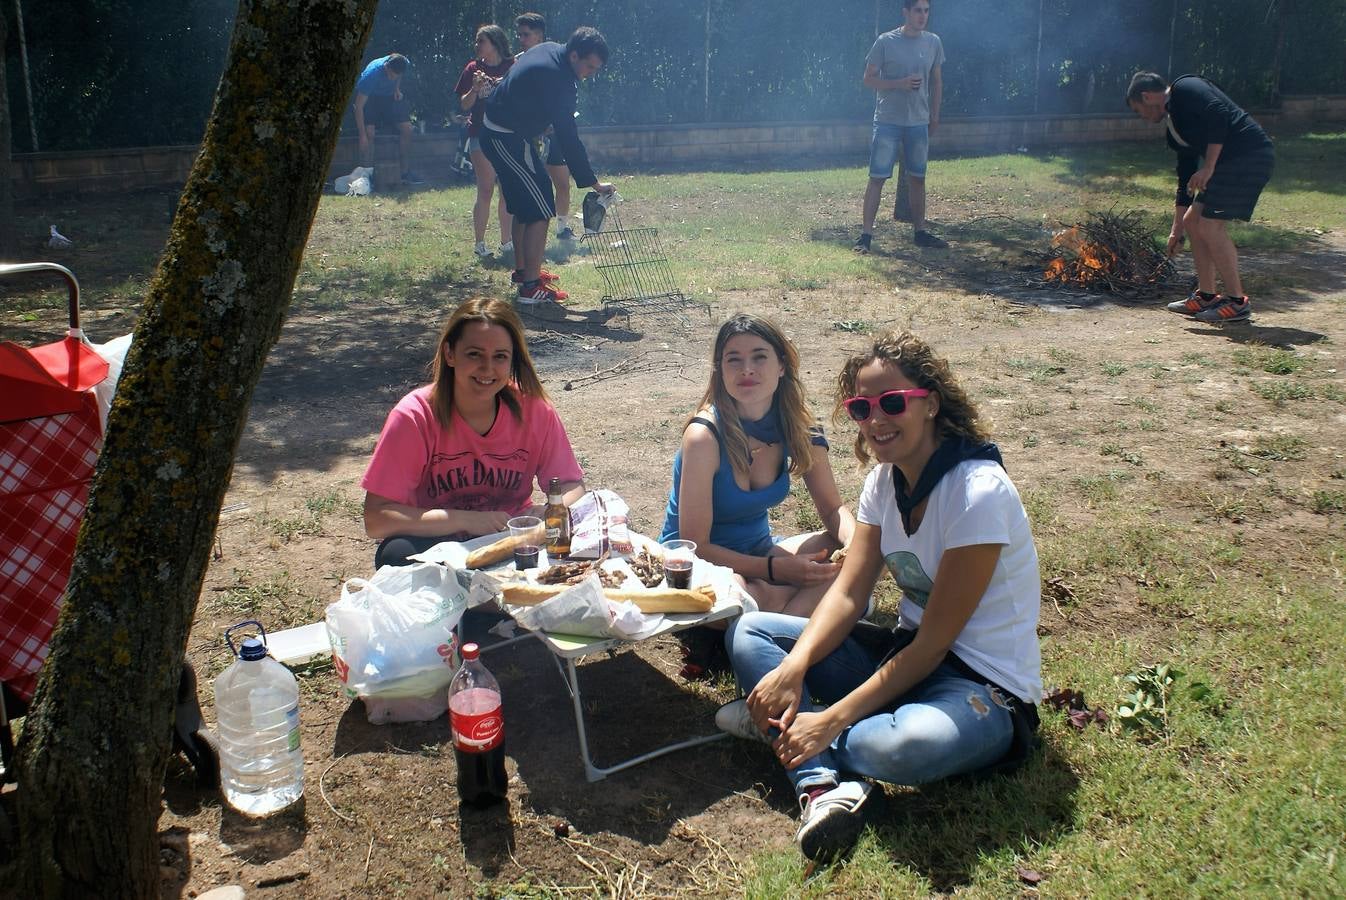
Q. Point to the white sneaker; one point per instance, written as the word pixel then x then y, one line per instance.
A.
pixel 507 247
pixel 830 823
pixel 482 250
pixel 734 718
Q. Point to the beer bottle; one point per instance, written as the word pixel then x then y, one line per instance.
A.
pixel 556 518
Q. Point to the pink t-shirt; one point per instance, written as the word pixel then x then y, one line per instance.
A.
pixel 421 464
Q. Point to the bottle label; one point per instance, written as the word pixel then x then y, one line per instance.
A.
pixel 477 733
pixel 292 720
pixel 553 536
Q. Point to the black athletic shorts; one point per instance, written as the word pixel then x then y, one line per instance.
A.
pixel 522 176
pixel 382 111
pixel 554 155
pixel 1233 190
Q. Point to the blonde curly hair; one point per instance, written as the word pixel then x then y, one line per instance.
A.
pixel 916 360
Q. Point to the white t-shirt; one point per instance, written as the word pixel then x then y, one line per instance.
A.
pixel 974 503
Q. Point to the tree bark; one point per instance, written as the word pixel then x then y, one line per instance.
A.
pixel 96 743
pixel 1284 10
pixel 901 195
pixel 8 238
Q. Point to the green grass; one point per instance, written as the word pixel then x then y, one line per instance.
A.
pixel 1216 803
pixel 1329 502
pixel 1279 393
pixel 1270 359
pixel 1280 447
pixel 725 231
pixel 1243 791
pixel 317 507
pixel 761 220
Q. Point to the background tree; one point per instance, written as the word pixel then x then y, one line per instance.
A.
pixel 125 73
pixel 8 242
pixel 95 745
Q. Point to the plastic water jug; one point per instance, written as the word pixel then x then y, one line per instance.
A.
pixel 257 711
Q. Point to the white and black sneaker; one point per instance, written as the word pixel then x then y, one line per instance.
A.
pixel 734 718
pixel 830 823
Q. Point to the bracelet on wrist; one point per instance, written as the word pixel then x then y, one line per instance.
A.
pixel 770 575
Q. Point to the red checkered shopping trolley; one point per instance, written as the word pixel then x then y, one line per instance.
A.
pixel 50 435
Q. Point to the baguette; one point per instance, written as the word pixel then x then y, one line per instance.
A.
pixel 650 600
pixel 492 553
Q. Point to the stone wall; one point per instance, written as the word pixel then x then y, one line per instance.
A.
pixel 618 148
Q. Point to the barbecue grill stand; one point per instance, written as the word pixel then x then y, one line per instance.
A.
pixel 636 272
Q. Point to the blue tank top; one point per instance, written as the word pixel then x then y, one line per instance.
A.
pixel 739 520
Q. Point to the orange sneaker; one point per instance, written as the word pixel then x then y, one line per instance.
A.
pixel 541 292
pixel 1225 310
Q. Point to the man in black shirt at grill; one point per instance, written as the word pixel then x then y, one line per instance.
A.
pixel 1224 161
pixel 539 93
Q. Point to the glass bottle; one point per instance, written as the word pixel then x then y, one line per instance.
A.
pixel 556 518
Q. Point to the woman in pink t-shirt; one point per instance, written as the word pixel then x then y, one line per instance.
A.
pixel 459 456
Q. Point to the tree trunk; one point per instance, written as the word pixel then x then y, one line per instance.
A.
pixel 1284 9
pixel 95 746
pixel 9 249
pixel 901 195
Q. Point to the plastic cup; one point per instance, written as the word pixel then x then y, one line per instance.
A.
pixel 678 559
pixel 529 536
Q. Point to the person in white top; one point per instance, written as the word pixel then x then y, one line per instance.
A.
pixel 953 689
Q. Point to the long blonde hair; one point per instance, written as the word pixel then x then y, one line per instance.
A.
pixel 917 361
pixel 796 416
pixel 523 377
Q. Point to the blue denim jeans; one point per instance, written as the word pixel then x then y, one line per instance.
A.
pixel 945 725
pixel 912 140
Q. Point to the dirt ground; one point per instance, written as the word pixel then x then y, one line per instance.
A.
pixel 1067 388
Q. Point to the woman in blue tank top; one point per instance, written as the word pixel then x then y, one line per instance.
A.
pixel 752 431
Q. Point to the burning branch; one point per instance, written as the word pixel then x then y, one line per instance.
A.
pixel 1111 253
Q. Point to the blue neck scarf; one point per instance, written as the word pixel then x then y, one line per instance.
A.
pixel 950 453
pixel 766 429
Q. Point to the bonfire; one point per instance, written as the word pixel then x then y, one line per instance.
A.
pixel 1112 253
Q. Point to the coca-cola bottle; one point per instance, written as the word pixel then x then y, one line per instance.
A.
pixel 478 732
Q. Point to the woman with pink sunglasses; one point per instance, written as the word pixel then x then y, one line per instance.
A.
pixel 953 688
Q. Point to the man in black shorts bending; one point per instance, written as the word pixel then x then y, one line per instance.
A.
pixel 539 93
pixel 530 29
pixel 1224 161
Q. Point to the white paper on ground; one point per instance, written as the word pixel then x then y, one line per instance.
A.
pixel 296 646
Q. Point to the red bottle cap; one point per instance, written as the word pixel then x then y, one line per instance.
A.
pixel 471 651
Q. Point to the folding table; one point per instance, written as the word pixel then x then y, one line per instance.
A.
pixel 572 647
pixel 566 649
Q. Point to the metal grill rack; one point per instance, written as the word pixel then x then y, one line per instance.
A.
pixel 636 272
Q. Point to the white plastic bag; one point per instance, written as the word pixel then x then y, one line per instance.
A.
pixel 392 638
pixel 114 351
pixel 343 183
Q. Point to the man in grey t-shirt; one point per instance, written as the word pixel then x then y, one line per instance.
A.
pixel 904 69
